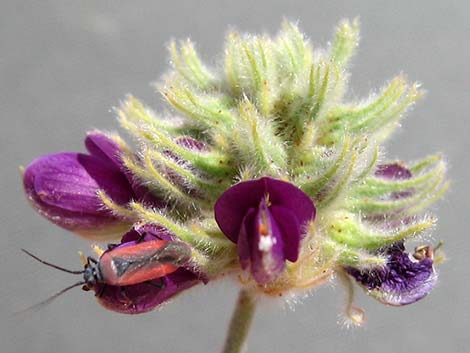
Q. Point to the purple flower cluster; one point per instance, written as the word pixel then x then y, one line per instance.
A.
pixel 266 218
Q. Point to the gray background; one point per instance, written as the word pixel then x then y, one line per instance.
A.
pixel 65 64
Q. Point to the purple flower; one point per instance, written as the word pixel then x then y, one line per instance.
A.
pixel 63 187
pixel 175 178
pixel 100 145
pixel 265 217
pixel 190 143
pixel 393 171
pixel 143 297
pixel 403 280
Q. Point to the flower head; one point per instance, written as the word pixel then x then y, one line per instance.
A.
pixel 316 199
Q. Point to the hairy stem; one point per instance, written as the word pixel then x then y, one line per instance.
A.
pixel 240 323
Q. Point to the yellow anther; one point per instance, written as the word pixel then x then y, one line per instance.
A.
pixel 266 200
pixel 263 230
pixel 97 250
pixel 82 258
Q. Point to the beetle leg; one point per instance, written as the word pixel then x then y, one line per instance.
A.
pixel 160 285
pixel 101 291
pixel 126 300
pixel 112 246
pixel 90 260
pixel 140 239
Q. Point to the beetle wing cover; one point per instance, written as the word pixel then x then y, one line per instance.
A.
pixel 143 261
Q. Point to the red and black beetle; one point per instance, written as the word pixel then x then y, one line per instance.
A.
pixel 125 265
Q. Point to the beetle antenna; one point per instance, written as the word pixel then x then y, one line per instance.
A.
pixel 50 299
pixel 52 265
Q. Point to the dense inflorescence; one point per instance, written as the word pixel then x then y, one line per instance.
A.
pixel 264 167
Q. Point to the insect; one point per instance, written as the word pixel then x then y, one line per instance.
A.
pixel 428 252
pixel 126 265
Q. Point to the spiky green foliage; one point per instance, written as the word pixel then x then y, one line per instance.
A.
pixel 276 108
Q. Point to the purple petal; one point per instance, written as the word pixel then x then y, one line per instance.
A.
pixel 190 143
pixel 232 205
pixel 402 281
pixel 393 171
pixel 133 235
pixel 71 181
pixel 63 187
pixel 292 198
pixel 291 231
pixel 151 230
pixel 89 226
pixel 244 245
pixel 104 147
pixel 143 297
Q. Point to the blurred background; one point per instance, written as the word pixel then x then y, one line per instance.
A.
pixel 65 64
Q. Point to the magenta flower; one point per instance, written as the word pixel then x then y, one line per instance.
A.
pixel 190 144
pixel 63 187
pixel 393 171
pixel 143 297
pixel 265 217
pixel 404 280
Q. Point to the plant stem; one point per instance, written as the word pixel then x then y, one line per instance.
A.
pixel 240 323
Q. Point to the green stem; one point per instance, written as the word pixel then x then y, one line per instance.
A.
pixel 240 323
